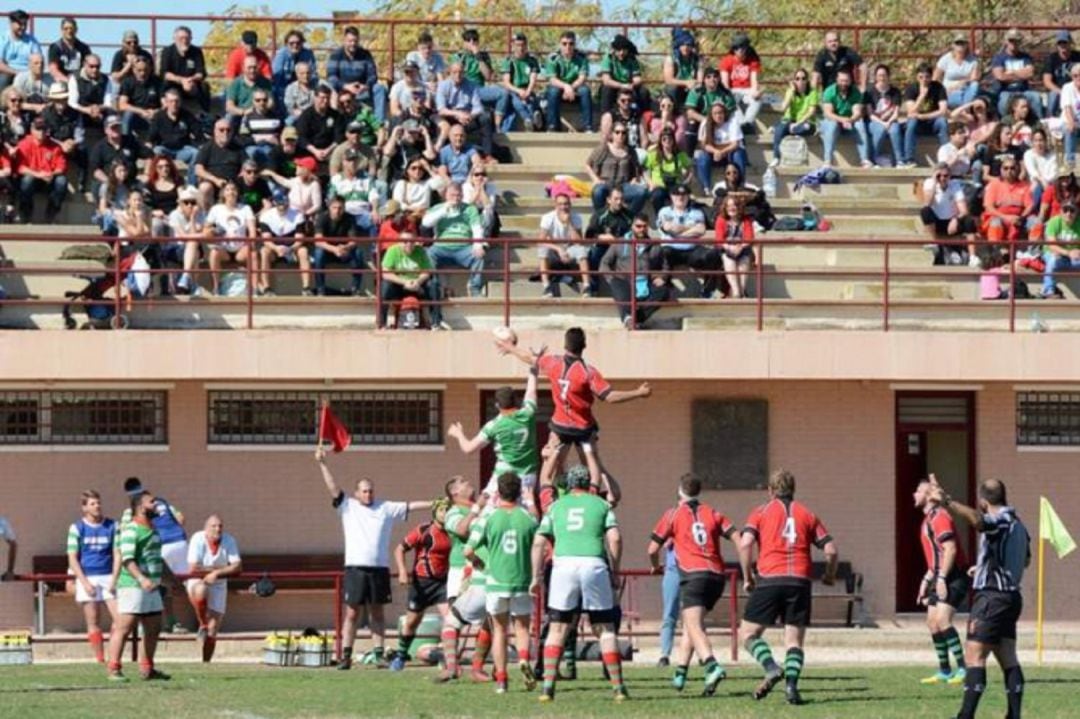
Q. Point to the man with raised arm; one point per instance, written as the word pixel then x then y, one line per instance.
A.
pixel 367 524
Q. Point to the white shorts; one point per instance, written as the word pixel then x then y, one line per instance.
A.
pixel 519 604
pixel 133 600
pixel 471 607
pixel 216 594
pixel 454 578
pixel 101 584
pixel 175 556
pixel 528 488
pixel 580 581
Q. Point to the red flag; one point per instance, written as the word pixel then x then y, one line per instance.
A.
pixel 331 429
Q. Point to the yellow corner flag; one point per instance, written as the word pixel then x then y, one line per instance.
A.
pixel 1053 530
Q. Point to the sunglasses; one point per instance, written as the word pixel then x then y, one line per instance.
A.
pixel 1068 210
pixel 15 100
pixel 188 202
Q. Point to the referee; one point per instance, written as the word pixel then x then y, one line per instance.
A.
pixel 368 524
pixel 1004 552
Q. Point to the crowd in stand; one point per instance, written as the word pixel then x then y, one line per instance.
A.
pixel 312 165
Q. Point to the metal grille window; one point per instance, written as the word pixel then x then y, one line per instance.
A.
pixel 82 417
pixel 1048 419
pixel 375 417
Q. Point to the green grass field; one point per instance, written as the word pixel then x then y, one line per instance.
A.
pixel 250 692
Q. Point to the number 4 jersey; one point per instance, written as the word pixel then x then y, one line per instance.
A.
pixel 695 529
pixel 785 529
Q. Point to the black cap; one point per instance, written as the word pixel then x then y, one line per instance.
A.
pixel 520 37
pixel 681 189
pixel 249 37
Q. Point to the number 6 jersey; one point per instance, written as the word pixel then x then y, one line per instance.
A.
pixel 784 530
pixel 696 529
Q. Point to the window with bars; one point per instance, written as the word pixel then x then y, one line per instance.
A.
pixel 375 417
pixel 83 417
pixel 1048 419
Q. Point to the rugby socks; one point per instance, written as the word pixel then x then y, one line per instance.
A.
pixel 759 648
pixel 681 672
pixel 569 655
pixel 209 644
pixel 1014 690
pixel 346 655
pixel 201 612
pixel 523 655
pixel 480 651
pixel 941 647
pixel 404 645
pixel 793 664
pixel 502 679
pixel 552 652
pixel 974 686
pixel 952 639
pixel 449 641
pixel 97 643
pixel 613 663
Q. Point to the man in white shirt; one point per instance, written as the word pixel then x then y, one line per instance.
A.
pixel 945 215
pixel 957 153
pixel 282 229
pixel 562 248
pixel 213 554
pixel 8 535
pixel 682 227
pixel 368 525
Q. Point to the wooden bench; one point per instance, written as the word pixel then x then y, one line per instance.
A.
pixel 838 605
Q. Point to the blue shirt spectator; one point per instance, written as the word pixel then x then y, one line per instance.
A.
pixel 284 63
pixel 685 218
pixel 351 64
pixel 16 48
pixel 457 161
pixel 460 96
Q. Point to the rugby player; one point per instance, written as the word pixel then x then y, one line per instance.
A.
pixel 214 555
pixel 696 530
pixel 944 586
pixel 507 533
pixel 427 581
pixel 168 521
pixel 90 549
pixel 784 530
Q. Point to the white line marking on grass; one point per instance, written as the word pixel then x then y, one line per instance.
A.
pixel 239 715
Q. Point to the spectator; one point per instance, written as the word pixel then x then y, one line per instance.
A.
pixel 174 133
pixel 409 141
pixel 751 197
pixel 1013 69
pixel 334 233
pixel 883 103
pixel 259 129
pixel 305 190
pixel 64 125
pixel 739 71
pixel 218 162
pixel 8 188
pixel 183 68
pixel 568 74
pixel 1009 212
pixel 255 190
pixel 14 122
pixel 213 556
pixel 300 93
pixel 352 67
pixel 682 67
pixel 123 62
pixel 283 67
pixel 669 597
pixel 16 48
pixel 112 196
pixel 132 221
pixel 162 192
pixel 67 54
pixel 701 99
pixel 187 226
pixel 720 143
pixel 1064 189
pixel 320 127
pixel 1062 248
pixel 88 92
pixel 115 146
pixel 406 272
pixel 945 215
pixel 410 90
pixel 1057 71
pixel 395 223
pixel 799 113
pixel 999 149
pixel 1070 114
pixel 413 192
pixel 834 58
pixel 682 229
pixel 282 230
pixel 458 102
pixel 240 95
pixel 430 63
pixel 33 84
pixel 960 155
pixel 615 164
pixel 520 73
pixel 370 128
pixel 625 113
pixel 139 97
pixel 562 249
pixel 842 110
pixel 620 70
pixel 668 118
pixel 361 193
pixel 284 155
pixel 618 268
pixel 90 562
pixel 455 223
pixel 457 158
pixel 230 227
pixel 665 167
pixel 1040 165
pixel 734 239
pixel 979 117
pixel 958 71
pixel 1022 121
pixel 605 227
pixel 248 47
pixel 8 535
pixel 480 192
pixel 478 69
pixel 367 155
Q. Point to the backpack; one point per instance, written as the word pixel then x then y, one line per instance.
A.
pixel 794 151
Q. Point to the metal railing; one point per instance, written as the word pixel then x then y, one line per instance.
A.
pixel 758 276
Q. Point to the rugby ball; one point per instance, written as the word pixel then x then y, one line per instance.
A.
pixel 505 334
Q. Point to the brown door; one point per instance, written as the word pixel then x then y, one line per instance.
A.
pixel 935 432
pixel 488 410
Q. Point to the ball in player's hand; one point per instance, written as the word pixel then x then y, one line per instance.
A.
pixel 505 334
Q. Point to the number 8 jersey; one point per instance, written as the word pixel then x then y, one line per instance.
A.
pixel 784 530
pixel 695 529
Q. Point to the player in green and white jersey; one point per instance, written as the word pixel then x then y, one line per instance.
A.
pixel 587 552
pixel 507 535
pixel 513 436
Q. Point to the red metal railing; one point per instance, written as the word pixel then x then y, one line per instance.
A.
pixel 761 273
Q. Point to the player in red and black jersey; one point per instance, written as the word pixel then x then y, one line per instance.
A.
pixel 575 386
pixel 944 586
pixel 427 581
pixel 696 530
pixel 785 531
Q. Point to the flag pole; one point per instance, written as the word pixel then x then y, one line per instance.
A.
pixel 1039 613
pixel 322 421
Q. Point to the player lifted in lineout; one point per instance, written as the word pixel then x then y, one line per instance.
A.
pixel 575 385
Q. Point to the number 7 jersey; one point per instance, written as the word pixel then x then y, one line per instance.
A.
pixel 574 387
pixel 785 530
pixel 695 529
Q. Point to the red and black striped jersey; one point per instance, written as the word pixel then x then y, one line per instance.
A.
pixel 937 528
pixel 695 529
pixel 785 531
pixel 574 387
pixel 432 545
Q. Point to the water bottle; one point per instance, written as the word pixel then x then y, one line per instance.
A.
pixel 1037 325
pixel 768 183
